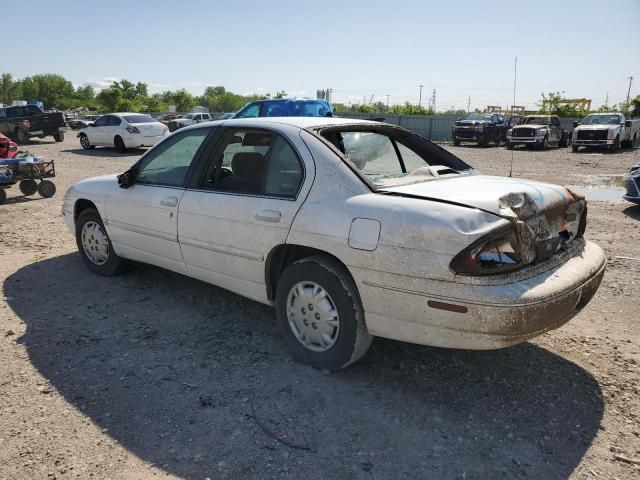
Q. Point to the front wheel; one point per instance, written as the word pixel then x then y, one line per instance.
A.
pixel 85 142
pixel 456 141
pixel 544 144
pixel 58 137
pixel 28 187
pixel 47 189
pixel 95 246
pixel 320 314
pixel 574 148
pixel 484 141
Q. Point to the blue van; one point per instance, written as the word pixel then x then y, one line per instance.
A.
pixel 286 107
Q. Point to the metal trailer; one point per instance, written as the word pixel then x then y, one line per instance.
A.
pixel 31 177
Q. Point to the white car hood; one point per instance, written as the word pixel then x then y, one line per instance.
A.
pixel 488 193
pixel 597 126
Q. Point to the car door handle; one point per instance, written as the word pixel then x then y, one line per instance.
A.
pixel 169 201
pixel 269 216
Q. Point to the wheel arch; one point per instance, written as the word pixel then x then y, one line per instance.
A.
pixel 81 205
pixel 283 255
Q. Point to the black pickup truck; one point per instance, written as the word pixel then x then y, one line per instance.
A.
pixel 23 122
pixel 480 128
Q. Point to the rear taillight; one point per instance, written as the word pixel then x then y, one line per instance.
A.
pixel 133 130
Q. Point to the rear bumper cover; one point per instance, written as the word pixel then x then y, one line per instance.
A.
pixel 496 315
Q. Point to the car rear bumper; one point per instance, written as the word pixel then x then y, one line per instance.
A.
pixel 488 316
pixel 136 141
pixel 592 143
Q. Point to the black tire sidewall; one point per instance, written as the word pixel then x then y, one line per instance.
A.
pixel 114 263
pixel 28 191
pixel 88 143
pixel 44 185
pixel 118 142
pixel 341 352
pixel 3 196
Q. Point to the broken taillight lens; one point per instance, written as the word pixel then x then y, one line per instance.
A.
pixel 496 254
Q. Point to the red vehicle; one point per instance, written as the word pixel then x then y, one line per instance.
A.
pixel 8 149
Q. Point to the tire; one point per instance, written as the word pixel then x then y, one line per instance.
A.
pixel 28 187
pixel 484 141
pixel 456 141
pixel 634 143
pixel 119 144
pixel 85 142
pixel 22 136
pixel 544 144
pixel 616 143
pixel 574 148
pixel 59 137
pixel 509 146
pixel 3 196
pixel 564 140
pixel 95 228
pixel 347 340
pixel 47 189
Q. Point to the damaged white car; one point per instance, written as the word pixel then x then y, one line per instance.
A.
pixel 350 229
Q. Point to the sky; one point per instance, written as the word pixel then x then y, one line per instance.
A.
pixel 465 50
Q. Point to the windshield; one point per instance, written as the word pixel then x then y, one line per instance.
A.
pixel 139 119
pixel 601 119
pixel 478 116
pixel 189 116
pixel 395 158
pixel 535 121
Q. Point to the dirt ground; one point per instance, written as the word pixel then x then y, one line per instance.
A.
pixel 152 374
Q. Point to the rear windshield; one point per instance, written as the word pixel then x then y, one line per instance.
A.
pixel 139 119
pixel 391 157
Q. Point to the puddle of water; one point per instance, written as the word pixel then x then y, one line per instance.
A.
pixel 602 188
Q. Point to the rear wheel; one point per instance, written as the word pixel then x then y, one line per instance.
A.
pixel 47 189
pixel 28 187
pixel 564 140
pixel 509 145
pixel 94 244
pixel 119 144
pixel 320 313
pixel 22 136
pixel 58 137
pixel 3 196
pixel 574 148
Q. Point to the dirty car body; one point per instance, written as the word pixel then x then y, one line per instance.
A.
pixel 632 185
pixel 427 249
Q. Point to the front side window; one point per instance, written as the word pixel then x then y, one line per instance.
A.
pixel 112 121
pixel 255 162
pixel 169 162
pixel 250 111
pixel 101 122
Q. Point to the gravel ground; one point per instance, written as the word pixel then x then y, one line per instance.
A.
pixel 155 374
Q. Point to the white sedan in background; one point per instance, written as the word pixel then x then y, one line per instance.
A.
pixel 351 229
pixel 122 131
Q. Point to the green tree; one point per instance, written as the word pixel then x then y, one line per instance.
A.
pixel 9 88
pixel 110 98
pixel 634 107
pixel 183 100
pixel 53 90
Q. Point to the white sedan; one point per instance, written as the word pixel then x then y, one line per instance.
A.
pixel 122 131
pixel 350 229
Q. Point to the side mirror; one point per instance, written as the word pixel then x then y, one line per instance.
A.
pixel 128 178
pixel 627 123
pixel 91 125
pixel 575 124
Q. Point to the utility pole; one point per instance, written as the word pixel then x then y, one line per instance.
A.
pixel 469 105
pixel 364 99
pixel 606 100
pixel 629 91
pixel 420 97
pixel 433 101
pixel 387 95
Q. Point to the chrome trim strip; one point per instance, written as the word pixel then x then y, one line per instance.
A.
pixel 215 247
pixel 149 232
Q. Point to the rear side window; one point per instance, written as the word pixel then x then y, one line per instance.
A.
pixel 139 118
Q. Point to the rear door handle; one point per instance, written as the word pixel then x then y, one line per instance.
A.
pixel 269 216
pixel 169 201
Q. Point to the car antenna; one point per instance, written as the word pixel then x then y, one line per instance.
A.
pixel 515 74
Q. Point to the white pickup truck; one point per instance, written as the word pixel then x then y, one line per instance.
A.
pixel 611 130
